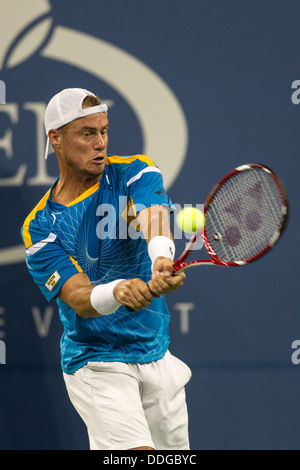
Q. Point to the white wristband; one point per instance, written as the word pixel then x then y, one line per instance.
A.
pixel 161 246
pixel 102 298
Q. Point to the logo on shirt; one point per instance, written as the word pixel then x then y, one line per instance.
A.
pixel 53 279
pixel 161 192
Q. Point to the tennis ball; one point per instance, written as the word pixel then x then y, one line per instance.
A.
pixel 190 219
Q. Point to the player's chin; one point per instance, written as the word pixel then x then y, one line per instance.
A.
pixel 96 167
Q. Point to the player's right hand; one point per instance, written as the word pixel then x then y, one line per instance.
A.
pixel 133 293
pixel 162 281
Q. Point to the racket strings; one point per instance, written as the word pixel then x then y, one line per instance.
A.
pixel 244 216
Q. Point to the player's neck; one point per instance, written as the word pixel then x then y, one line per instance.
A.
pixel 67 189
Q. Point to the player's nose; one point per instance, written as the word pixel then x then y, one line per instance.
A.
pixel 99 141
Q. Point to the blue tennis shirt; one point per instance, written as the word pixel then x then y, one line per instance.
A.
pixel 97 234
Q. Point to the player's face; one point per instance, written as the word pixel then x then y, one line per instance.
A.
pixel 84 145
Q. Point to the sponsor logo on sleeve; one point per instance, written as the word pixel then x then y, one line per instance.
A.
pixel 53 279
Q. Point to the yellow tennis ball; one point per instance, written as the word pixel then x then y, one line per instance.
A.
pixel 190 219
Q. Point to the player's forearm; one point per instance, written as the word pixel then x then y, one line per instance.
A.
pixel 104 299
pixel 79 299
pixel 154 221
pixel 76 292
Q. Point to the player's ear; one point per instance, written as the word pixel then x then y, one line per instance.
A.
pixel 55 137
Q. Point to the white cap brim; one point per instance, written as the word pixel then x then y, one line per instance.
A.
pixel 49 148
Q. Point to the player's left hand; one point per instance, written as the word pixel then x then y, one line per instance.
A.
pixel 162 280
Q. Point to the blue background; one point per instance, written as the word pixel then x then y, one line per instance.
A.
pixel 231 65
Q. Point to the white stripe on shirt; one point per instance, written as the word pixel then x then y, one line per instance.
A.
pixel 34 248
pixel 145 170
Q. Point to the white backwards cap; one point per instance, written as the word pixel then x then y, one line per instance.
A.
pixel 65 107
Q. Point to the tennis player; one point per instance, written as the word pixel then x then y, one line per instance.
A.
pixel 99 243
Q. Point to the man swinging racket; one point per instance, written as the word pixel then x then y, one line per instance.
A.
pixel 99 243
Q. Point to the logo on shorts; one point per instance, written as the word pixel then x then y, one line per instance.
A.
pixel 53 279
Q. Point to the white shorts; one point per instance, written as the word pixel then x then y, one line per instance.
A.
pixel 132 405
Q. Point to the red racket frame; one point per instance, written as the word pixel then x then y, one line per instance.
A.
pixel 180 263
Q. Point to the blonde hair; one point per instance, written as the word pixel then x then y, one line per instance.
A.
pixel 91 100
pixel 88 102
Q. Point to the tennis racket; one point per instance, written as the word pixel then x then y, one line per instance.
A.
pixel 245 214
